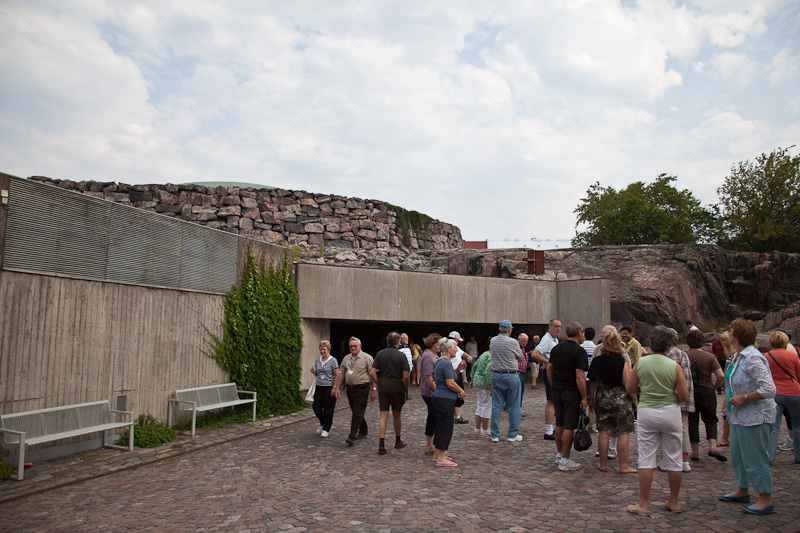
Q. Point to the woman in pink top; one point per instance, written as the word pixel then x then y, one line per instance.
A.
pixel 785 368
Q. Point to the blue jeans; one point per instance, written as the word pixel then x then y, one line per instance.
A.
pixel 791 404
pixel 521 388
pixel 506 388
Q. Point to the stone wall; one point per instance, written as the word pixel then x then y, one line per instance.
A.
pixel 310 221
pixel 663 284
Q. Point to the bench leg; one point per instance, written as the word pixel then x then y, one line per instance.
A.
pixel 194 419
pixel 21 460
pixel 130 440
pixel 254 411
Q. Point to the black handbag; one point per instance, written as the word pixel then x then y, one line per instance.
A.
pixel 582 440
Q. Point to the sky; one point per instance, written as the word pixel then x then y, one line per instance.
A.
pixel 493 116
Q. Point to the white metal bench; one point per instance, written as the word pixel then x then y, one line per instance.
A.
pixel 27 428
pixel 207 398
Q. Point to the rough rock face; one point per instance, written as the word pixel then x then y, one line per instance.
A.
pixel 309 221
pixel 663 284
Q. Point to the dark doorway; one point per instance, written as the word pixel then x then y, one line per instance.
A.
pixel 373 333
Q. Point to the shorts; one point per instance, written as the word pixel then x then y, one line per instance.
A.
pixel 568 406
pixel 548 391
pixel 391 392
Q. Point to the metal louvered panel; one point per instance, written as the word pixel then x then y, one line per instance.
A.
pixel 60 232
pixel 144 248
pixel 208 259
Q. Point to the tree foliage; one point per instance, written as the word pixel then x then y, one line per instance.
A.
pixel 261 338
pixel 760 204
pixel 655 213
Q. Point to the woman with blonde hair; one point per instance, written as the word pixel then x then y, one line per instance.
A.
pixel 785 368
pixel 608 375
pixel 326 368
pixel 725 339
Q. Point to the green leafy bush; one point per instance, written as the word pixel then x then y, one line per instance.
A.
pixel 261 337
pixel 5 470
pixel 148 432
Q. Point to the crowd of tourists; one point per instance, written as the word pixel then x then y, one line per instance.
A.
pixel 660 394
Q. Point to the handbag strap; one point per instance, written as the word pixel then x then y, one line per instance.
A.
pixel 791 377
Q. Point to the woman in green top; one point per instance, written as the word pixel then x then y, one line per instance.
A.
pixel 660 383
pixel 482 380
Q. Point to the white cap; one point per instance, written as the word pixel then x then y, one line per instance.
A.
pixel 455 335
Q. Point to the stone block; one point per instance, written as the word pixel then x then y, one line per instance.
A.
pixel 165 197
pixel 231 200
pixel 140 196
pixel 293 227
pixel 233 222
pixel 145 205
pixel 332 236
pixel 252 213
pixel 249 203
pixel 366 234
pixel 337 204
pixel 316 239
pixel 171 188
pixel 111 187
pixel 186 210
pixel 341 244
pixel 168 208
pixel 190 197
pixel 308 201
pixel 262 226
pixel 314 227
pixel 341 211
pixel 231 210
pixel 245 223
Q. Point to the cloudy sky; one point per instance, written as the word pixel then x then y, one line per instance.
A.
pixel 494 116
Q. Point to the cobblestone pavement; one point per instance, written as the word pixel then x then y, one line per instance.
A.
pixel 283 477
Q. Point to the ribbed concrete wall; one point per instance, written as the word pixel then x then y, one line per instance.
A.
pixel 66 341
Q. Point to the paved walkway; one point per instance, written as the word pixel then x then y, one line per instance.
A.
pixel 278 475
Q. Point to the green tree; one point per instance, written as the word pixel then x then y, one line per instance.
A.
pixel 261 338
pixel 760 204
pixel 655 213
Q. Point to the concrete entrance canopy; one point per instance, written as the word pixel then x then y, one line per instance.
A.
pixel 360 294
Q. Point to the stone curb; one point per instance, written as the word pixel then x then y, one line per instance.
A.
pixel 92 464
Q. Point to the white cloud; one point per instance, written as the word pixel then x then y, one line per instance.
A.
pixel 491 107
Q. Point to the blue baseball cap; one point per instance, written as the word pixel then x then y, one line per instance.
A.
pixel 506 324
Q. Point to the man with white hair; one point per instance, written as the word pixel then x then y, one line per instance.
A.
pixel 542 356
pixel 460 357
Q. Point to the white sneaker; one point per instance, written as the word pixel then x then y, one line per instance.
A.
pixel 324 434
pixel 485 432
pixel 612 453
pixel 477 431
pixel 568 465
pixel 319 430
pixel 687 467
pixel 518 438
pixel 558 460
pixel 495 439
pixel 661 466
pixel 787 445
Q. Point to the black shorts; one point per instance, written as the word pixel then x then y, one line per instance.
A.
pixel 568 405
pixel 391 392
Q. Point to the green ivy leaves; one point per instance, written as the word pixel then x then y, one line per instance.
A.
pixel 261 338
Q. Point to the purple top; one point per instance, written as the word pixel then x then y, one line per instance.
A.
pixel 427 362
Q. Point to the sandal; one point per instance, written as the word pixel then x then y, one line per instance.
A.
pixel 446 464
pixel 718 456
pixel 667 507
pixel 635 509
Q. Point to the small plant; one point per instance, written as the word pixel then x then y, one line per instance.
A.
pixel 5 470
pixel 148 432
pixel 218 419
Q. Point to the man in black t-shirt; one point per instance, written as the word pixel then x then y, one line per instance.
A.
pixel 567 375
pixel 390 375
